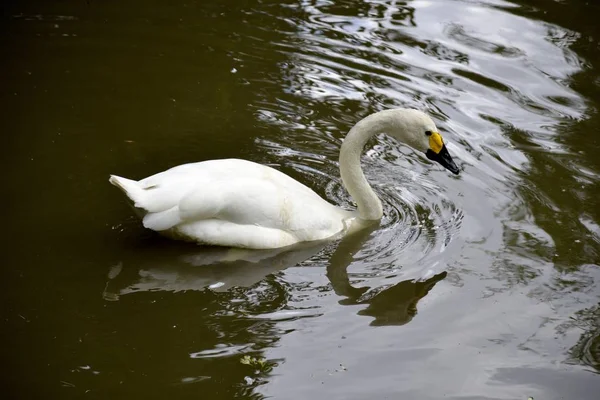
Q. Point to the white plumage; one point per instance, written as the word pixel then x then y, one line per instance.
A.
pixel 240 203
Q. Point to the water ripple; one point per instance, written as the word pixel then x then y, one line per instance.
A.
pixel 495 89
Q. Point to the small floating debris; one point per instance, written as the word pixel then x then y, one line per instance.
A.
pixel 259 363
pixel 233 70
pixel 253 361
pixel 217 285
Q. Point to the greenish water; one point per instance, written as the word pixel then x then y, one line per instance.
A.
pixel 481 286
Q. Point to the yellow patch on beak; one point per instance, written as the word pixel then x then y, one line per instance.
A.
pixel 435 142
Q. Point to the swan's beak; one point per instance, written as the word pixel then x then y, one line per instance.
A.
pixel 443 157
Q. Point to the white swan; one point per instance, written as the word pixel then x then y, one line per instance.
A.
pixel 239 203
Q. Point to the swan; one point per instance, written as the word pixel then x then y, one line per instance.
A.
pixel 239 203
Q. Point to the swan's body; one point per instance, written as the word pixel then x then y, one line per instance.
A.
pixel 240 203
pixel 234 203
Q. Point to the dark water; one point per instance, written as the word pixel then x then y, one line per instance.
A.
pixel 482 286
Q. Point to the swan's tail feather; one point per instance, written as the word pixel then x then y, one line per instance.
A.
pixel 131 188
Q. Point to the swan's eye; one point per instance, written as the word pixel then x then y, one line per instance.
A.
pixel 428 133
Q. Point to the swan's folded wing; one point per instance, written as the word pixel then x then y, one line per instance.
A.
pixel 198 204
pixel 162 220
pixel 252 202
pixel 242 201
pixel 247 201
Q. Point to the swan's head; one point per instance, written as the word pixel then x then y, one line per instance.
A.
pixel 418 130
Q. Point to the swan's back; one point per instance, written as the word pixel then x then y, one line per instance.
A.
pixel 165 189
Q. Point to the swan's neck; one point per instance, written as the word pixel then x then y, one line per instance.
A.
pixel 353 178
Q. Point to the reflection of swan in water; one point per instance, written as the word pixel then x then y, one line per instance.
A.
pixel 394 305
pixel 397 305
pixel 180 267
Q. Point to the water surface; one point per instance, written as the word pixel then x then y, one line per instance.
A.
pixel 481 286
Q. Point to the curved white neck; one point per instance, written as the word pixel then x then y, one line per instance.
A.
pixel 353 178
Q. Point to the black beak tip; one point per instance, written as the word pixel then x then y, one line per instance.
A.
pixel 452 167
pixel 443 158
